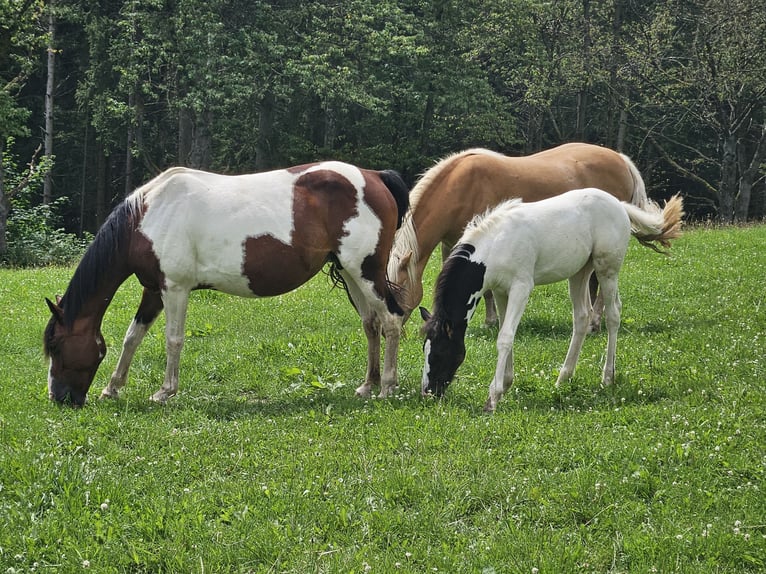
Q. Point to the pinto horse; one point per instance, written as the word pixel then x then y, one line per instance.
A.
pixel 255 235
pixel 468 183
pixel 519 245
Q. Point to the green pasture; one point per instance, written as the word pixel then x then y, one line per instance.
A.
pixel 266 462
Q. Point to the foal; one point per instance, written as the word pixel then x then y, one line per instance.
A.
pixel 519 245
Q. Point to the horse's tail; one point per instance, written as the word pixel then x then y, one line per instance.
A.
pixel 639 197
pixel 395 184
pixel 652 225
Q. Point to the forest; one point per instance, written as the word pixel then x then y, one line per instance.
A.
pixel 98 96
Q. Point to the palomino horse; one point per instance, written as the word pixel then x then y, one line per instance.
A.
pixel 253 235
pixel 519 245
pixel 468 183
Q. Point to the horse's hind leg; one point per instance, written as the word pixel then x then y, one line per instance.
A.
pixel 376 319
pixel 148 311
pixel 597 302
pixel 613 308
pixel 492 314
pixel 176 301
pixel 580 296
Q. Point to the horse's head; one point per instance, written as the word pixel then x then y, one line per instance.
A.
pixel 444 350
pixel 410 288
pixel 75 353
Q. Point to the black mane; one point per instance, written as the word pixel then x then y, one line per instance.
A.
pixel 458 280
pixel 107 248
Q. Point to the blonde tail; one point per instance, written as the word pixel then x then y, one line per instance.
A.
pixel 652 226
pixel 639 197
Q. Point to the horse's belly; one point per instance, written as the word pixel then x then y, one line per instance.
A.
pixel 264 268
pixel 561 262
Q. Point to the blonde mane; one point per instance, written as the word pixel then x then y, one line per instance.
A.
pixel 484 222
pixel 406 238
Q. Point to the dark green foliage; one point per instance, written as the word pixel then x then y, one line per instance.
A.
pixel 236 86
pixel 35 240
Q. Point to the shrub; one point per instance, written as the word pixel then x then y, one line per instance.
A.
pixel 34 240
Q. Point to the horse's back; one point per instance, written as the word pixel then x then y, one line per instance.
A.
pixel 265 233
pixel 480 181
pixel 550 240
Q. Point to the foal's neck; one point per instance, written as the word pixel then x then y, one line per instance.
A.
pixel 460 284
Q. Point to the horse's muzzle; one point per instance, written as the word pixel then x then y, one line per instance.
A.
pixel 435 390
pixel 68 396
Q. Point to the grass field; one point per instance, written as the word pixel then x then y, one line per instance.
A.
pixel 266 462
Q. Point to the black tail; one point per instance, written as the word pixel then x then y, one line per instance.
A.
pixel 395 184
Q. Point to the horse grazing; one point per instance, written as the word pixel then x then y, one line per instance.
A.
pixel 468 183
pixel 253 235
pixel 517 246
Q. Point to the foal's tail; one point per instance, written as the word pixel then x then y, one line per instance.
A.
pixel 395 184
pixel 652 225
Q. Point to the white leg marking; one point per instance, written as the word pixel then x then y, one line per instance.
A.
pixel 513 306
pixel 613 309
pixel 580 296
pixel 133 338
pixel 176 300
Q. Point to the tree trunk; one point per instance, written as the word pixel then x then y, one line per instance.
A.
pixel 129 147
pixel 84 178
pixel 195 141
pixel 101 185
pixel 427 123
pixel 185 129
pixel 201 153
pixel 4 203
pixel 330 127
pixel 748 174
pixel 582 96
pixel 615 139
pixel 728 185
pixel 49 87
pixel 622 131
pixel 263 151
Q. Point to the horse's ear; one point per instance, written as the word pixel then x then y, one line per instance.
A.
pixel 58 300
pixel 424 314
pixel 56 309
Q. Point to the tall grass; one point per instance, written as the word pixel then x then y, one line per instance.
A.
pixel 266 462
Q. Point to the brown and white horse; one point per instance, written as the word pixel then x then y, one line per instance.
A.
pixel 253 235
pixel 468 183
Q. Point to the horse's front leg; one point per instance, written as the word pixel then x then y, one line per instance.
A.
pixel 392 329
pixel 371 325
pixel 176 301
pixel 148 311
pixel 511 308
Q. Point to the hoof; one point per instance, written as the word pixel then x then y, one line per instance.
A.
pixel 107 394
pixel 161 397
pixel 489 408
pixel 363 392
pixel 386 392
